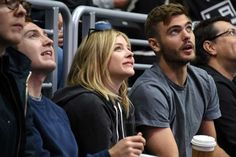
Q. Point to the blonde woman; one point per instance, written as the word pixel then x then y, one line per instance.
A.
pixel 96 100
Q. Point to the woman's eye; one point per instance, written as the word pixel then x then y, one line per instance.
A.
pixel 118 48
pixel 33 35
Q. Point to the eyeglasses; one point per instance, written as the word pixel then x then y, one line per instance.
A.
pixel 91 31
pixel 229 32
pixel 14 4
pixel 94 30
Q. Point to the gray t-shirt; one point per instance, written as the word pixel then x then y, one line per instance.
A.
pixel 159 102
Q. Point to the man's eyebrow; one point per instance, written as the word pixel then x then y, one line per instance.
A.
pixel 189 23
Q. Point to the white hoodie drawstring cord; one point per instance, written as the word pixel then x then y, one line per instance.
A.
pixel 121 119
pixel 117 121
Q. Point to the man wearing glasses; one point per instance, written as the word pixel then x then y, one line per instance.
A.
pixel 14 70
pixel 216 53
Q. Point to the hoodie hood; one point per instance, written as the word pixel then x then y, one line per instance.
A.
pixel 64 95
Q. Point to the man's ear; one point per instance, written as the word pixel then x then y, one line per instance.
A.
pixel 154 44
pixel 209 47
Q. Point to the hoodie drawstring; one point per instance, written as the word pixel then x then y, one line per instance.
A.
pixel 119 111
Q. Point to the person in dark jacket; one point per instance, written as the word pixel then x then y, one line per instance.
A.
pixel 96 99
pixel 207 9
pixel 216 53
pixel 14 70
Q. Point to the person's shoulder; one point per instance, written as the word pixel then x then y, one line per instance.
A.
pixel 51 104
pixel 217 75
pixel 152 77
pixel 91 97
pixel 74 94
pixel 68 92
pixel 201 76
pixel 84 99
pixel 198 72
pixel 79 92
pixel 17 60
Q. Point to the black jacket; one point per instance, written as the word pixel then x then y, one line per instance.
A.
pixel 226 124
pixel 14 70
pixel 93 119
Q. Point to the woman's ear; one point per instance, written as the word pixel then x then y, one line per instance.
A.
pixel 154 44
pixel 209 47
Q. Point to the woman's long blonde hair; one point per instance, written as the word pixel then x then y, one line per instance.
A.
pixel 90 66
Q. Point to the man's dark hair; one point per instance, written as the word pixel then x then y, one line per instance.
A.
pixel 203 31
pixel 162 13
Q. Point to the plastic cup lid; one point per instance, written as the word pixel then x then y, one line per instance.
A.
pixel 147 155
pixel 203 143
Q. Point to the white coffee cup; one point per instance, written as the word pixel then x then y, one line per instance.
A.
pixel 203 145
pixel 147 155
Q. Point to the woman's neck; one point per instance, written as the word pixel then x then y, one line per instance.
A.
pixel 113 86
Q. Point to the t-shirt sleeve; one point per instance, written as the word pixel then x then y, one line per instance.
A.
pixel 212 109
pixel 151 105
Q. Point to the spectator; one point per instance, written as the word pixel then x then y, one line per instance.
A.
pixel 73 4
pixel 112 4
pixel 173 100
pixel 55 137
pixel 107 4
pixel 216 53
pixel 137 5
pixel 96 100
pixel 52 134
pixel 13 75
pixel 206 9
